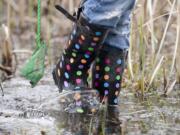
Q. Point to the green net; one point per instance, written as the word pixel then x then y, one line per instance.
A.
pixel 34 68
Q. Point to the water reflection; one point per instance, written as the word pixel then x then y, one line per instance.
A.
pixel 113 123
pixel 82 114
pixel 105 122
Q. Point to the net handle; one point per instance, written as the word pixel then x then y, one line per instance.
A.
pixel 38 39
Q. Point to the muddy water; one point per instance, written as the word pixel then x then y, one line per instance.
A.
pixel 37 111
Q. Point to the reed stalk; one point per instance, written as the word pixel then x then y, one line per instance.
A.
pixel 142 57
pixel 151 13
pixel 130 67
pixel 22 12
pixel 165 32
pixel 176 44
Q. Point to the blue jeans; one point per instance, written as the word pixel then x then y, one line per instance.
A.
pixel 114 15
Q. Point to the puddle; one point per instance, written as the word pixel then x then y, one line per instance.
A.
pixel 27 111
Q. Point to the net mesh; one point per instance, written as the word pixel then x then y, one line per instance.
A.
pixel 34 68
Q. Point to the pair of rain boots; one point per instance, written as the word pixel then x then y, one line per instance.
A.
pixel 85 47
pixel 72 71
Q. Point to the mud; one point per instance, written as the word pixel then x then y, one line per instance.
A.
pixel 37 111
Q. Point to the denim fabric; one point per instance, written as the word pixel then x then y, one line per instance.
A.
pixel 112 14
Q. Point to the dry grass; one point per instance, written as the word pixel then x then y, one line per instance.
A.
pixel 154 38
pixel 155 42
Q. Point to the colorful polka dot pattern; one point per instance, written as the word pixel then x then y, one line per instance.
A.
pixel 73 67
pixel 107 74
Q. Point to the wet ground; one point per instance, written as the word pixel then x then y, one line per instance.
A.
pixel 37 111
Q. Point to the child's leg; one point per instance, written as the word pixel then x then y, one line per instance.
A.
pixel 84 42
pixel 109 65
pixel 110 62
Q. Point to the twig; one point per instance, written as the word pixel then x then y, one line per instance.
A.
pixel 2 89
pixel 155 72
pixel 169 90
pixel 154 19
pixel 22 51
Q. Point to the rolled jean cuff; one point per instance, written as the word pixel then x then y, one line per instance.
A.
pixel 106 12
pixel 111 14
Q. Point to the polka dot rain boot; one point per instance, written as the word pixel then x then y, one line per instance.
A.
pixel 71 72
pixel 107 73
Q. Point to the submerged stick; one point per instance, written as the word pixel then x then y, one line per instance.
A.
pixel 8 70
pixel 2 89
